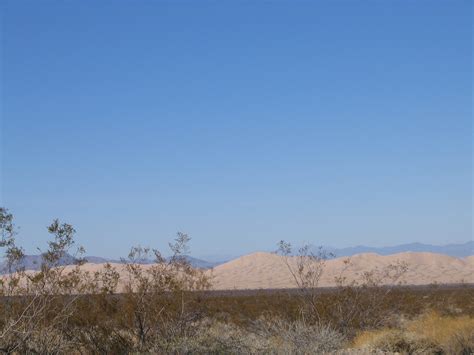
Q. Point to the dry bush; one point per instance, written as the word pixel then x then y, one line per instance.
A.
pixel 363 304
pixel 156 308
pixel 36 307
pixel 267 335
pixel 355 304
pixel 151 293
pixel 306 274
pixel 298 336
pixel 217 338
pixel 62 310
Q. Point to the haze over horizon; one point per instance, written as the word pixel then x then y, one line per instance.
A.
pixel 240 124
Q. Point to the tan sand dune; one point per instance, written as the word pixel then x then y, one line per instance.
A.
pixel 470 259
pixel 266 270
pixel 262 270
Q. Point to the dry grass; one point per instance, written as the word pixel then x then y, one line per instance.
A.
pixel 429 333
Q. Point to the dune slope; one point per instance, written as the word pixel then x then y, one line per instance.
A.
pixel 270 271
pixel 266 270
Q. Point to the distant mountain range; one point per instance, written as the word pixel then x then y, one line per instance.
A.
pixel 456 250
pixel 33 262
pixel 195 262
pixel 461 250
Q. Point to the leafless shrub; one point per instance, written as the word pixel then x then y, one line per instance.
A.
pixel 215 338
pixel 151 292
pixel 362 303
pixel 36 307
pixel 300 337
pixel 47 312
pixel 356 303
pixel 267 335
pixel 306 272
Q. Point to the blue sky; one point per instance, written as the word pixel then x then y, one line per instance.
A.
pixel 241 123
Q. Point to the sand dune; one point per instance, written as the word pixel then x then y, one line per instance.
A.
pixel 269 271
pixel 266 270
pixel 470 259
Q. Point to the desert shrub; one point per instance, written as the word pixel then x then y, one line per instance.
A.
pixel 354 304
pixel 267 335
pixel 38 306
pixel 217 338
pixel 156 306
pixel 62 309
pixel 298 336
pixel 362 304
pixel 307 270
pixel 156 298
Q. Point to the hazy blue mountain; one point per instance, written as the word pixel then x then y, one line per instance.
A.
pixel 202 264
pixel 33 262
pixel 195 262
pixel 456 250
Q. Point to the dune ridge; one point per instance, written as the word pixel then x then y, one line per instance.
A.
pixel 266 270
pixel 263 270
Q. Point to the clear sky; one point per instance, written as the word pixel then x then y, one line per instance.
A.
pixel 239 122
